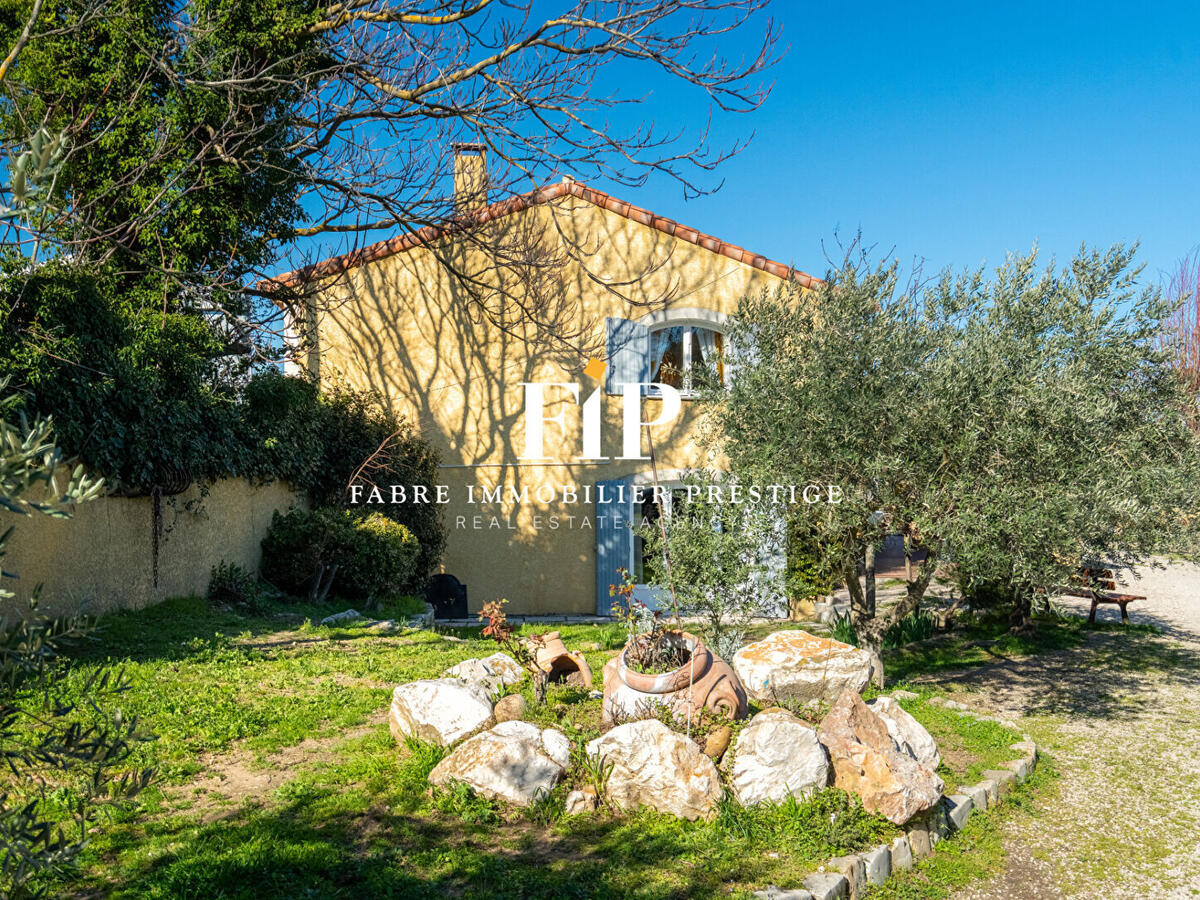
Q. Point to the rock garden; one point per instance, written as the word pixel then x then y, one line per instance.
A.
pixel 370 761
pixel 676 730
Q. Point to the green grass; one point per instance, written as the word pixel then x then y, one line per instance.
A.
pixel 975 853
pixel 977 641
pixel 968 745
pixel 349 813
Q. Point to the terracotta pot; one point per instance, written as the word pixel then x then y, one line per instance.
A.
pixel 629 694
pixel 560 664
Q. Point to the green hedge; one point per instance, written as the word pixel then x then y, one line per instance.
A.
pixel 375 555
pixel 315 440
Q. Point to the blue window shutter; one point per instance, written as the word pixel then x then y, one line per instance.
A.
pixel 612 542
pixel 628 345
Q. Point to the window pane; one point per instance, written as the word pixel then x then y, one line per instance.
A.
pixel 666 356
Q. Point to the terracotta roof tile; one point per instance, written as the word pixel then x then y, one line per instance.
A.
pixel 381 250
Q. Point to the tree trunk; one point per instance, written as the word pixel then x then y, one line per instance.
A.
pixel 871 640
pixel 871 631
pixel 907 558
pixel 1021 620
pixel 869 579
pixel 862 593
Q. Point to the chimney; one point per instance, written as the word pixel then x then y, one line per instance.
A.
pixel 470 176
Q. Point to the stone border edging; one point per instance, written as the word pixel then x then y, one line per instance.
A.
pixel 848 877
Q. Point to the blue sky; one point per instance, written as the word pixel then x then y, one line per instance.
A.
pixel 959 132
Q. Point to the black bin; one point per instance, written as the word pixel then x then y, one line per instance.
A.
pixel 448 596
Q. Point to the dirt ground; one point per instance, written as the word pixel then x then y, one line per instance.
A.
pixel 1122 722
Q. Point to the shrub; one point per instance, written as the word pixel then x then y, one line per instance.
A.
pixel 298 549
pixel 916 626
pixel 231 585
pixel 378 555
pixel 314 552
pixel 318 440
pixel 722 557
pixel 808 574
pixel 208 424
pixel 843 630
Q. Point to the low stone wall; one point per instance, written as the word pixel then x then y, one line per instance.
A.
pixel 102 558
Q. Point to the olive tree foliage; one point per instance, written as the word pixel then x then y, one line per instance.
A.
pixel 1016 425
pixel 1067 423
pixel 715 557
pixel 817 398
pixel 49 741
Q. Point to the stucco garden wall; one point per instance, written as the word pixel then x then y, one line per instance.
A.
pixel 102 557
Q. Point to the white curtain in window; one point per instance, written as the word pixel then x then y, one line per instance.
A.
pixel 710 355
pixel 667 351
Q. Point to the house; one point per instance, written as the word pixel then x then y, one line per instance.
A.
pixel 453 323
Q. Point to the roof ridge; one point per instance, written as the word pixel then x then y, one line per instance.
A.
pixel 336 265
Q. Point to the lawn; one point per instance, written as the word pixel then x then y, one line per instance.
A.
pixel 277 777
pixel 980 640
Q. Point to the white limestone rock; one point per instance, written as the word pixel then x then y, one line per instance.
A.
pixel 800 666
pixel 345 617
pixel 908 734
pixel 656 767
pixel 556 745
pixel 777 755
pixel 508 762
pixel 439 710
pixel 581 801
pixel 492 672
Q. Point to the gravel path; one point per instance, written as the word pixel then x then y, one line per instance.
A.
pixel 1121 717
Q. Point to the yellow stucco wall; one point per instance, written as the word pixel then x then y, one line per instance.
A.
pixel 102 556
pixel 402 327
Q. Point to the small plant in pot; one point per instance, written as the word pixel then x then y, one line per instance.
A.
pixel 651 647
pixel 665 666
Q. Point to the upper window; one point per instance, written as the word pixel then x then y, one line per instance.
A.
pixel 680 355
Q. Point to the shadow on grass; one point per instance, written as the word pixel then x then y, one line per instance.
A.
pixel 298 849
pixel 1066 667
pixel 184 627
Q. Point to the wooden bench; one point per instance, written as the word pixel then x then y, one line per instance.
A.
pixel 1099 586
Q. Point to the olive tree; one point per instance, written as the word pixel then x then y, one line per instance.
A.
pixel 50 740
pixel 719 553
pixel 1063 426
pixel 1018 425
